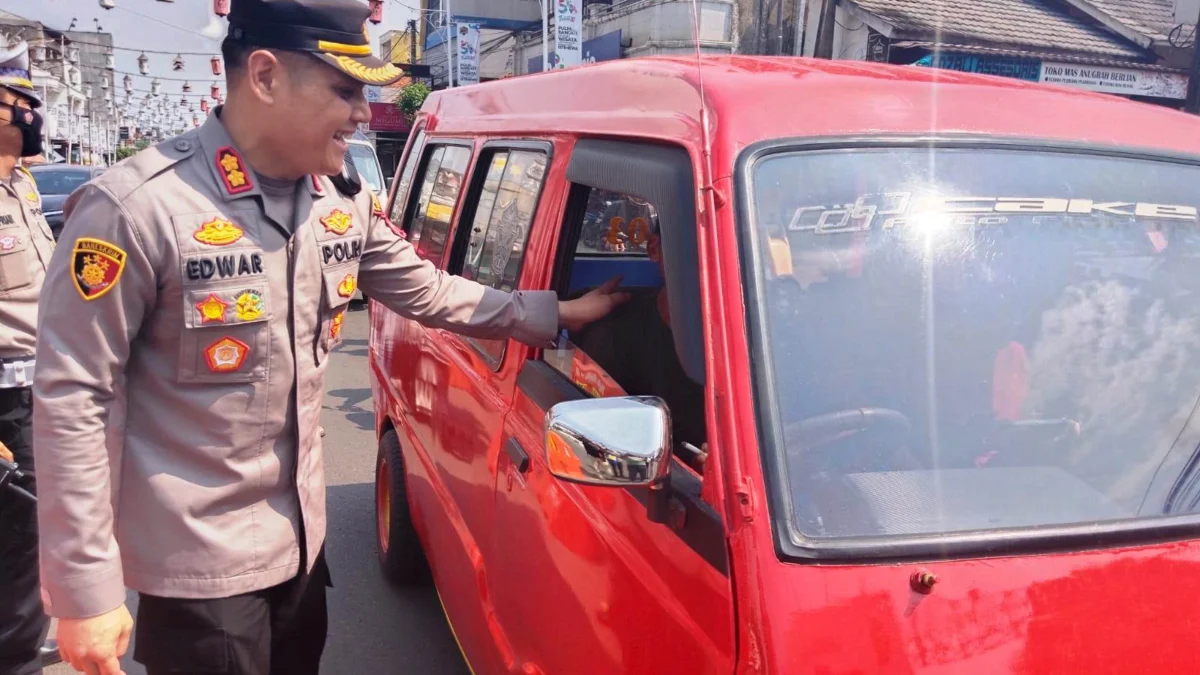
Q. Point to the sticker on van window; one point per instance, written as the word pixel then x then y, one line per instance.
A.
pixel 899 209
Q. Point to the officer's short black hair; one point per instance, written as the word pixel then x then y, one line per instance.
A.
pixel 236 54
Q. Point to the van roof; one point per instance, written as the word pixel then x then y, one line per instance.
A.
pixel 753 99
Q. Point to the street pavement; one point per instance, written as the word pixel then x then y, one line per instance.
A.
pixel 373 627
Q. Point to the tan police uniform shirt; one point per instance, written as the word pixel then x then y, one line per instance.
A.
pixel 26 244
pixel 178 321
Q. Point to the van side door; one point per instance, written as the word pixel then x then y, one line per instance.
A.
pixel 583 580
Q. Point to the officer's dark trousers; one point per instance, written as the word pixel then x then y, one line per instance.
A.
pixel 277 631
pixel 23 624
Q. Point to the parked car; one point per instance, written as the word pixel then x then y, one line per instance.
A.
pixel 944 333
pixel 56 182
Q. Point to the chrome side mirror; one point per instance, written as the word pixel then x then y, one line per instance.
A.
pixel 618 442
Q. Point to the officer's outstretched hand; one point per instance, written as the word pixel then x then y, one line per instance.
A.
pixel 596 304
pixel 95 645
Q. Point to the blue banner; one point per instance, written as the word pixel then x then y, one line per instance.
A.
pixel 1004 66
pixel 605 47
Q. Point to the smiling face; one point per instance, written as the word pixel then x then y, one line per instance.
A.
pixel 307 109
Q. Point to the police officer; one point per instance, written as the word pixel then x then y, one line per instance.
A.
pixel 187 321
pixel 26 244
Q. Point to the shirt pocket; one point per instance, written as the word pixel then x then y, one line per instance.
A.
pixel 226 336
pixel 15 272
pixel 337 289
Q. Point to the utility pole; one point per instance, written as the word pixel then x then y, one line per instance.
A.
pixel 412 42
pixel 449 50
pixel 1192 103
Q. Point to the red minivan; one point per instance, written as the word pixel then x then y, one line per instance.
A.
pixel 907 381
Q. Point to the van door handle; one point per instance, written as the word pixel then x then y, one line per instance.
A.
pixel 517 454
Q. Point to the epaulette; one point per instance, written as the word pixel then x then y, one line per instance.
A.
pixel 28 174
pixel 134 172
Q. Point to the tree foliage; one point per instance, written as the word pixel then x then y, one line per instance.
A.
pixel 412 97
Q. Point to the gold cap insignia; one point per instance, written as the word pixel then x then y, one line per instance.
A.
pixel 218 232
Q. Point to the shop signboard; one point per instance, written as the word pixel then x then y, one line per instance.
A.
pixel 387 117
pixel 511 15
pixel 1004 66
pixel 568 33
pixel 468 54
pixel 605 47
pixel 1124 81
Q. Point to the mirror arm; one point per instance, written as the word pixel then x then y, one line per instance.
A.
pixel 658 502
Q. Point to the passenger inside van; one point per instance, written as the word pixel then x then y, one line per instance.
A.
pixel 636 347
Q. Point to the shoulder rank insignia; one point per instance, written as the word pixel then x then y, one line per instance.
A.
pixel 233 171
pixel 376 205
pixel 338 222
pixel 212 309
pixel 316 183
pixel 218 232
pixel 97 267
pixel 348 286
pixel 226 355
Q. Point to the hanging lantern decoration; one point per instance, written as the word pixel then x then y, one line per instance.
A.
pixel 216 92
pixel 216 65
pixel 178 64
pixel 155 85
pixel 39 53
pixel 195 120
pixel 221 7
pixel 87 91
pixel 104 82
pixel 110 61
pixel 376 11
pixel 108 4
pixel 128 84
pixel 108 97
pixel 75 77
pixel 183 102
pixel 203 105
pixel 186 87
pixel 144 64
pixel 73 54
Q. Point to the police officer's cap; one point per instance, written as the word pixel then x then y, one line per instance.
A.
pixel 334 31
pixel 14 70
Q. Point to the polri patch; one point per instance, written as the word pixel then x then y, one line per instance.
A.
pixel 335 326
pixel 9 242
pixel 348 286
pixel 338 222
pixel 97 267
pixel 218 232
pixel 226 355
pixel 233 171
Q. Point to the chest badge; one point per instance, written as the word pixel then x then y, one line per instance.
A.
pixel 249 306
pixel 218 232
pixel 212 309
pixel 97 267
pixel 226 355
pixel 9 242
pixel 348 286
pixel 335 327
pixel 338 222
pixel 233 171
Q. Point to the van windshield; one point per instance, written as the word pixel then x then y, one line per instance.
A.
pixel 963 340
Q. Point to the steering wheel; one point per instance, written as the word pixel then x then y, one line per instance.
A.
pixel 815 432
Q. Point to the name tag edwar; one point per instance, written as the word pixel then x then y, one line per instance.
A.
pixel 224 266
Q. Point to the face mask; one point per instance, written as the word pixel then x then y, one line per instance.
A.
pixel 29 123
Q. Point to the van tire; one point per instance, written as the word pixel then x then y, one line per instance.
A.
pixel 401 558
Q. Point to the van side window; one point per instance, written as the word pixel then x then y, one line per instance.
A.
pixel 631 351
pixel 400 200
pixel 441 185
pixel 499 231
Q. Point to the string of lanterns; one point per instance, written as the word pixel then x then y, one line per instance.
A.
pixel 221 8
